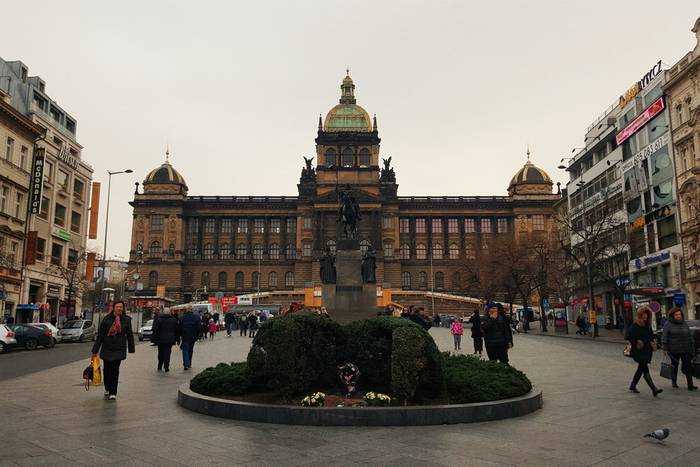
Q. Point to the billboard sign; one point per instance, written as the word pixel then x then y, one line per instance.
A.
pixel 642 119
pixel 37 182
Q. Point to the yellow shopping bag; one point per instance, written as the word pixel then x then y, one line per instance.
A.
pixel 96 371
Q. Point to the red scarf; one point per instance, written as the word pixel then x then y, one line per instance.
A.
pixel 116 327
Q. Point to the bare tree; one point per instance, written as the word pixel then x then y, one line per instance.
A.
pixel 73 273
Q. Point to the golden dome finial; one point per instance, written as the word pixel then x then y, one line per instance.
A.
pixel 167 152
pixel 528 152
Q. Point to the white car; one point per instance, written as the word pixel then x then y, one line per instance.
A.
pixel 7 338
pixel 55 332
pixel 146 331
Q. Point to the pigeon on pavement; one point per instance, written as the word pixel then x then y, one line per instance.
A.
pixel 659 435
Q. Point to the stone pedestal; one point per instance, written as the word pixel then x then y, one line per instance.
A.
pixel 349 299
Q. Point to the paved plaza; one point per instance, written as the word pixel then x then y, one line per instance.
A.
pixel 588 418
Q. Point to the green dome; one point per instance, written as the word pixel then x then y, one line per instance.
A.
pixel 347 117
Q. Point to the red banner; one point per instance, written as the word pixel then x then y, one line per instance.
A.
pixel 652 111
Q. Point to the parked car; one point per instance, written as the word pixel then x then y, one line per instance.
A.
pixel 694 326
pixel 78 330
pixel 31 337
pixel 7 338
pixel 55 332
pixel 146 331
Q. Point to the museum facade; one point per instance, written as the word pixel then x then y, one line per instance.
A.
pixel 245 244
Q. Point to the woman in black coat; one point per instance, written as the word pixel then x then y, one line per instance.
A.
pixel 477 332
pixel 113 338
pixel 679 344
pixel 643 345
pixel 165 335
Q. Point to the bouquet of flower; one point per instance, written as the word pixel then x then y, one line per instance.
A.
pixel 314 400
pixel 377 399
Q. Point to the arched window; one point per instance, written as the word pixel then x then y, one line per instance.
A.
pixel 289 280
pixel 272 280
pixel 155 248
pixel 437 251
pixel 422 280
pixel 189 278
pixel 241 251
pixel 330 244
pixel 421 251
pixel 364 157
pixel 456 281
pixel 171 250
pixel 239 280
pixel 291 251
pixel 153 279
pixel 191 250
pixel 274 251
pixel 388 249
pixel 208 251
pixel 331 157
pixel 256 280
pixel 454 251
pixel 223 279
pixel 440 280
pixel 405 251
pixel 257 251
pixel 406 280
pixel 205 279
pixel 469 252
pixel 365 245
pixel 347 158
pixel 225 251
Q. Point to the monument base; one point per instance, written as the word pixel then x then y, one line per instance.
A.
pixel 349 299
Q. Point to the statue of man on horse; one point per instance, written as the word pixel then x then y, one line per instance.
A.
pixel 348 211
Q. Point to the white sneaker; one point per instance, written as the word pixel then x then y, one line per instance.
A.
pixel 112 397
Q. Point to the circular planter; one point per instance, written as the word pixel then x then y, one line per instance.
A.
pixel 360 416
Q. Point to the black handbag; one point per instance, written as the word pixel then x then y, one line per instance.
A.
pixel 667 368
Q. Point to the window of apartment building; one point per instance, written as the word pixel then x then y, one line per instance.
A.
pixel 40 249
pixel 59 216
pixel 403 225
pixel 469 251
pixel 70 125
pixel 223 279
pixel 437 251
pixel 421 251
pixel 306 249
pixel 420 225
pixel 19 205
pixel 9 149
pixel 291 252
pixel 538 222
pixel 291 225
pixel 39 101
pixel 154 249
pixel 452 226
pixel 257 251
pixel 259 226
pixel 469 226
pixel 502 225
pixel 387 222
pixel 14 249
pixel 44 213
pixel 209 225
pixel 308 222
pixel 78 188
pixel 406 280
pixel 4 198
pixel 56 254
pixel 274 251
pixel 667 232
pixel 405 251
pixel 72 256
pixel 239 279
pixel 437 225
pixel 208 251
pixel 388 249
pixel 75 221
pixel 62 178
pixel 242 226
pixel 275 226
pixel 454 251
pixel 224 251
pixel 157 222
pixel 486 226
pixel 364 157
pixel 289 279
pixel 24 157
pixel 272 279
pixel 241 251
pixel 226 225
pixel 48 171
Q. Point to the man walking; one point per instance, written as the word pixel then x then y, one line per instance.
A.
pixel 165 336
pixel 497 335
pixel 228 321
pixel 188 332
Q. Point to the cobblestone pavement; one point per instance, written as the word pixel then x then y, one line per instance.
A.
pixel 588 418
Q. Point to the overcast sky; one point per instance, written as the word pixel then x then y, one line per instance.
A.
pixel 460 88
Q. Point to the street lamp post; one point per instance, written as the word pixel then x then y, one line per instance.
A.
pixel 101 303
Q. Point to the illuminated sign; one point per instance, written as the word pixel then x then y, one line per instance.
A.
pixel 37 182
pixel 650 112
pixel 636 88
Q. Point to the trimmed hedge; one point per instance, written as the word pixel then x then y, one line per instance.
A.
pixel 470 379
pixel 222 380
pixel 407 361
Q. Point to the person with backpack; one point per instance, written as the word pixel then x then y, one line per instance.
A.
pixel 114 337
pixel 188 332
pixel 165 335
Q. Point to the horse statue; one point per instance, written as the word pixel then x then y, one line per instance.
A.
pixel 348 212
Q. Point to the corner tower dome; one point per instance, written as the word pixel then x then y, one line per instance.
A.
pixel 530 179
pixel 165 174
pixel 348 116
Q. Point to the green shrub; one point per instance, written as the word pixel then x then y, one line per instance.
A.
pixel 408 360
pixel 295 353
pixel 470 379
pixel 369 346
pixel 222 380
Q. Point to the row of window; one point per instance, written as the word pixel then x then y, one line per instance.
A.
pixel 241 251
pixel 208 225
pixel 486 225
pixel 23 161
pixel 348 158
pixel 12 205
pixel 422 280
pixel 222 283
pixel 56 253
pixel 60 215
pixel 438 251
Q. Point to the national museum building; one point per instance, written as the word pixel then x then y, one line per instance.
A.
pixel 272 244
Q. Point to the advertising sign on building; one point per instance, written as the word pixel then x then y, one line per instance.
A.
pixel 650 112
pixel 637 87
pixel 37 183
pixel 30 247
